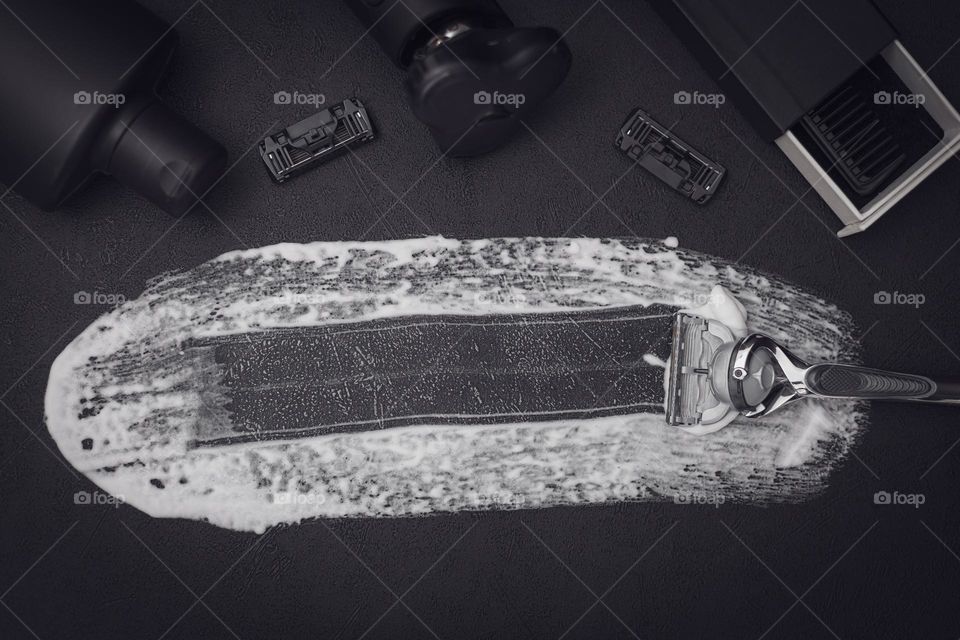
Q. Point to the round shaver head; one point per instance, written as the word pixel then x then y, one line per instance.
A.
pixel 472 89
pixel 471 74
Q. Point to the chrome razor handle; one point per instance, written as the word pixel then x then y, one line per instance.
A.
pixel 795 379
pixel 851 381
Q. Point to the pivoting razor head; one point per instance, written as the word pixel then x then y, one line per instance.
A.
pixel 691 396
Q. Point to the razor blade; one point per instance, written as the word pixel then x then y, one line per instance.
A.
pixel 691 399
pixel 316 139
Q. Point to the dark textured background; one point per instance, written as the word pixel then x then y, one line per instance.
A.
pixel 728 572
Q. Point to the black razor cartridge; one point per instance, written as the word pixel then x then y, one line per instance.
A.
pixel 316 139
pixel 656 149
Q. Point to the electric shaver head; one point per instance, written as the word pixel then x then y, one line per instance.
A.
pixel 471 74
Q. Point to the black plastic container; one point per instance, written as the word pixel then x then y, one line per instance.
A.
pixel 77 97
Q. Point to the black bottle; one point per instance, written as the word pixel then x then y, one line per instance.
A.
pixel 77 97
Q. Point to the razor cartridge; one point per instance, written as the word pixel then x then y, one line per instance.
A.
pixel 316 139
pixel 691 399
pixel 673 161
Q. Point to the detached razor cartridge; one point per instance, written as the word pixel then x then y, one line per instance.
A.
pixel 656 149
pixel 316 139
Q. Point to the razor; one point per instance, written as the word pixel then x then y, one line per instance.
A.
pixel 713 377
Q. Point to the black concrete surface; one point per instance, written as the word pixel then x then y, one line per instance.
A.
pixel 838 566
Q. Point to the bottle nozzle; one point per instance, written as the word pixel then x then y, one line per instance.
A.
pixel 167 159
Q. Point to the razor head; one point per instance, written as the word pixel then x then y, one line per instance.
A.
pixel 691 397
pixel 316 139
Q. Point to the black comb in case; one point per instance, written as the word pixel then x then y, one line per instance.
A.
pixel 316 139
pixel 829 83
pixel 656 149
pixel 859 146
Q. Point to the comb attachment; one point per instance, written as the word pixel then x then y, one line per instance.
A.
pixel 857 143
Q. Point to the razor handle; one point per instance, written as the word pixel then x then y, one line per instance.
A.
pixel 851 381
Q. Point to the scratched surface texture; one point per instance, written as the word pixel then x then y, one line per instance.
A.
pixel 837 566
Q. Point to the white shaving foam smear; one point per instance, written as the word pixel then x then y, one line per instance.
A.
pixel 124 419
